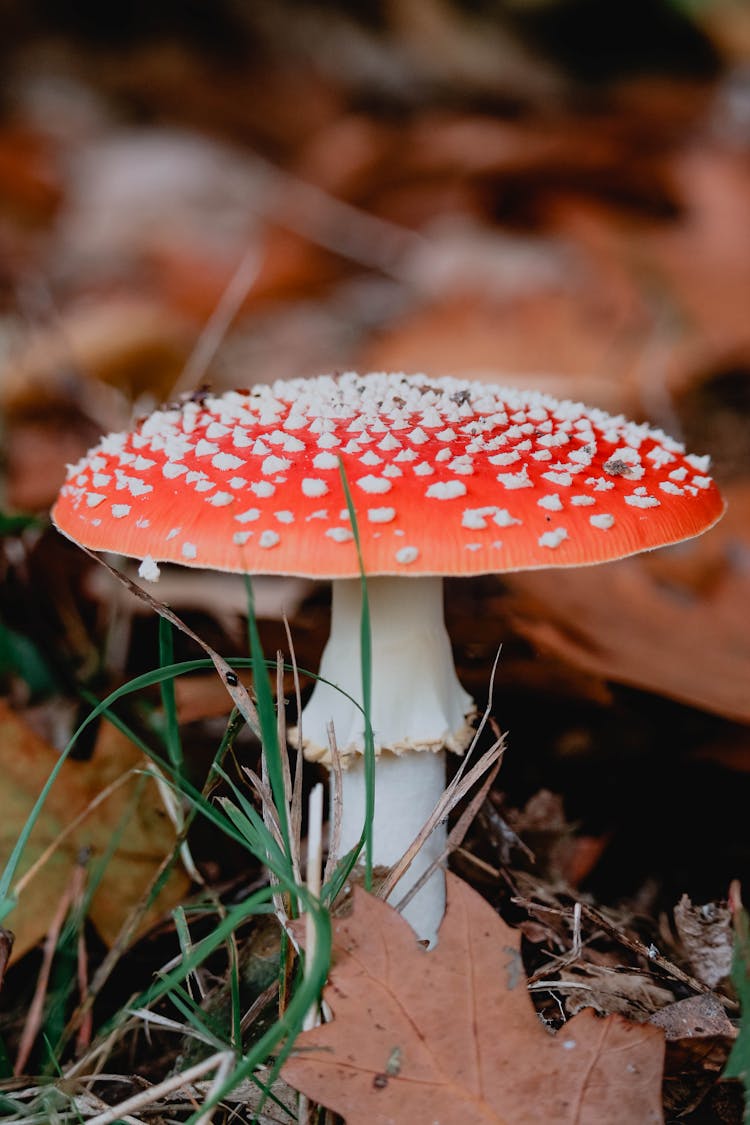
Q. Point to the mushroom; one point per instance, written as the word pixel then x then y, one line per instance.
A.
pixel 448 477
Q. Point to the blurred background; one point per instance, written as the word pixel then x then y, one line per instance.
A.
pixel 545 193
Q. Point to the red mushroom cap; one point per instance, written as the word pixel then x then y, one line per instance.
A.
pixel 448 477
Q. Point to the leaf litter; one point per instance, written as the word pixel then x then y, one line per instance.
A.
pixel 451 1036
pixel 607 249
pixel 90 802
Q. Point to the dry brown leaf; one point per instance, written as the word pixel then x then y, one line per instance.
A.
pixel 684 280
pixel 25 764
pixel 699 1038
pixel 671 622
pixel 30 186
pixel 607 989
pixel 699 1018
pixel 560 854
pixel 127 342
pixel 450 1035
pixel 515 340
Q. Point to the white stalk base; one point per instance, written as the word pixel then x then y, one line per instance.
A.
pixel 418 710
pixel 407 788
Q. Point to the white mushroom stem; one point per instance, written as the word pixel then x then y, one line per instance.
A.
pixel 407 788
pixel 418 709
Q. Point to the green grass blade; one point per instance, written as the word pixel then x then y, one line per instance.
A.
pixel 332 889
pixel 256 903
pixel 172 739
pixel 267 718
pixel 281 1036
pixel 365 643
pixel 7 902
pixel 235 1000
pixel 196 1017
pixel 138 683
pixel 259 839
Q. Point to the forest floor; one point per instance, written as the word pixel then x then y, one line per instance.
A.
pixel 294 192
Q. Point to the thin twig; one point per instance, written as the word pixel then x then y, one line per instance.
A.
pixel 652 955
pixel 168 1086
pixel 336 812
pixel 235 688
pixel 270 814
pixel 454 793
pixel 262 786
pixel 85 1031
pixel 480 864
pixel 330 222
pixel 634 944
pixel 259 1004
pixel 313 879
pixel 36 1008
pixel 281 729
pixel 218 324
pixel 577 943
pixel 457 833
pixel 322 219
pixel 485 719
pixel 99 1053
pixel 219 1079
pixel 50 850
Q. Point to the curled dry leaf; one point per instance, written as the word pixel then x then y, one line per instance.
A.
pixel 450 1035
pixel 706 933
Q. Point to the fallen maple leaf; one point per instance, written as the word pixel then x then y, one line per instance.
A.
pixel 134 811
pixel 450 1037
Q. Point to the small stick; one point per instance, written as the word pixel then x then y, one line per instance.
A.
pixel 456 835
pixel 634 944
pixel 155 1093
pixel 85 1031
pixel 223 1071
pixel 236 689
pixel 455 792
pixel 220 320
pixel 577 943
pixel 36 1008
pixel 257 1006
pixel 337 806
pixel 313 879
pixel 271 821
pixel 71 827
